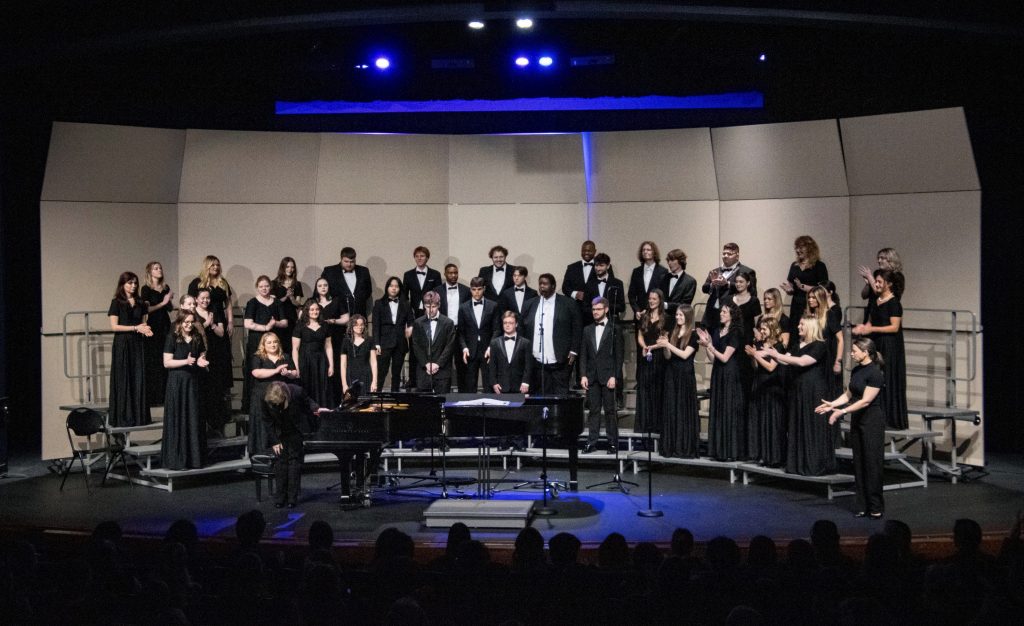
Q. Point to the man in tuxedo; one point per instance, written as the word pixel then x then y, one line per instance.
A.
pixel 350 282
pixel 433 341
pixel 606 286
pixel 580 275
pixel 646 277
pixel 515 298
pixel 552 324
pixel 289 414
pixel 498 275
pixel 392 326
pixel 678 286
pixel 601 364
pixel 511 364
pixel 416 282
pixel 721 282
pixel 476 329
pixel 452 294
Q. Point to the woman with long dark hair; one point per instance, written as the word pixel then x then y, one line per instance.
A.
pixel 314 354
pixel 221 297
pixel 834 338
pixel 392 327
pixel 883 322
pixel 127 313
pixel 159 299
pixel 358 358
pixel 216 383
pixel 183 445
pixel 288 291
pixel 862 403
pixel 262 315
pixel 727 412
pixel 649 372
pixel 680 420
pixel 806 272
pixel 334 315
pixel 766 408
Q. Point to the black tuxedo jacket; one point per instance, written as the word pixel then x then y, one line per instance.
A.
pixel 510 374
pixel 295 420
pixel 686 288
pixel 613 292
pixel 442 290
pixel 390 333
pixel 507 302
pixel 572 280
pixel 487 272
pixel 637 293
pixel 358 302
pixel 439 350
pixel 600 362
pixel 715 294
pixel 412 291
pixel 566 326
pixel 474 337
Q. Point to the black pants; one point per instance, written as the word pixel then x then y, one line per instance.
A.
pixel 474 369
pixel 288 471
pixel 600 396
pixel 390 359
pixel 441 382
pixel 551 379
pixel 867 438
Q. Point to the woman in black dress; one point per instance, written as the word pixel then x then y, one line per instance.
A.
pixel 834 338
pixel 883 322
pixel 216 382
pixel 269 363
pixel 334 315
pixel 221 297
pixel 805 273
pixel 888 259
pixel 313 353
pixel 680 420
pixel 159 297
pixel 183 445
pixel 127 313
pixel 811 450
pixel 771 304
pixel 358 357
pixel 727 413
pixel 867 425
pixel 749 306
pixel 262 315
pixel 288 291
pixel 766 409
pixel 649 376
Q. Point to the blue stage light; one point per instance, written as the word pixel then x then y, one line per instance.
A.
pixel 545 61
pixel 382 63
pixel 522 61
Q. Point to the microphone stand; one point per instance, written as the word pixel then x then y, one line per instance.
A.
pixel 650 511
pixel 545 510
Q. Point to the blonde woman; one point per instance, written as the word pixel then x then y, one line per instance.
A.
pixel 268 364
pixel 262 315
pixel 221 296
pixel 766 409
pixel 160 299
pixel 806 272
pixel 887 259
pixel 771 304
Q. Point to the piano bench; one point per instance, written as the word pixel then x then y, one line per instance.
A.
pixel 262 468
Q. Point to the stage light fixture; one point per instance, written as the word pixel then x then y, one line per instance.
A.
pixel 763 57
pixel 382 63
pixel 545 61
pixel 522 61
pixel 476 25
pixel 362 66
pixel 524 23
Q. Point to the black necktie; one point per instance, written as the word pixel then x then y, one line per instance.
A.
pixel 478 304
pixel 421 273
pixel 523 289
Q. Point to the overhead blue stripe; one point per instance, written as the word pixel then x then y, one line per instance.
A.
pixel 736 100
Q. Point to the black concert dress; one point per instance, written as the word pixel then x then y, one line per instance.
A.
pixel 867 438
pixel 215 383
pixel 834 326
pixel 766 415
pixel 680 421
pixel 184 439
pixel 128 405
pixel 313 364
pixel 288 310
pixel 331 311
pixel 727 414
pixel 890 346
pixel 811 450
pixel 816 274
pixel 259 436
pixel 358 367
pixel 260 314
pixel 224 366
pixel 749 311
pixel 649 383
pixel 160 323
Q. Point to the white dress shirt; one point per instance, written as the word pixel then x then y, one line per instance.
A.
pixel 545 351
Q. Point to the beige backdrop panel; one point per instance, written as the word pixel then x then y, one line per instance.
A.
pixel 383 236
pixel 113 163
pixel 393 169
pixel 505 169
pixel 765 230
pixel 249 167
pixel 657 165
pixel 542 237
pixel 909 152
pixel 793 160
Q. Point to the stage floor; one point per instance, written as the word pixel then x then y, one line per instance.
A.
pixel 702 500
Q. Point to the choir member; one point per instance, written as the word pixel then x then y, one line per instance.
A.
pixel 392 327
pixel 807 272
pixel 645 277
pixel 721 281
pixel 217 380
pixel 811 449
pixel 187 302
pixel 862 401
pixel 771 306
pixel 883 323
pixel 313 353
pixel 288 414
pixel 288 291
pixel 578 276
pixel 159 298
pixel 127 313
pixel 552 324
pixel 680 420
pixel 358 358
pixel 262 315
pixel 416 282
pixel 887 259
pixel 452 294
pixel 605 285
pixel 221 297
pixel 350 282
pixel 749 306
pixel 183 445
pixel 830 316
pixel 514 299
pixel 477 319
pixel 601 374
pixel 433 339
pixel 727 410
pixel 498 275
pixel 333 314
pixel 678 286
pixel 270 363
pixel 511 363
pixel 766 408
pixel 652 325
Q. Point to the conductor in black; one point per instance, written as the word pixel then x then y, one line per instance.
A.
pixel 289 413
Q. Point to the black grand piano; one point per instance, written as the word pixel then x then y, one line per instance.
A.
pixel 361 429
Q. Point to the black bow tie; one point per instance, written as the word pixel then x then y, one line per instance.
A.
pixel 588 264
pixel 421 273
pixel 520 289
pixel 599 324
pixel 395 300
pixel 455 287
pixel 431 319
pixel 512 338
pixel 602 280
pixel 728 269
pixel 478 304
pixel 499 269
pixel 348 271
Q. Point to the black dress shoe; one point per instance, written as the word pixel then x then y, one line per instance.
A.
pixel 861 514
pixel 590 447
pixel 612 449
pixel 875 515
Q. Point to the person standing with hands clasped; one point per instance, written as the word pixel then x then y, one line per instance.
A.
pixel 601 369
